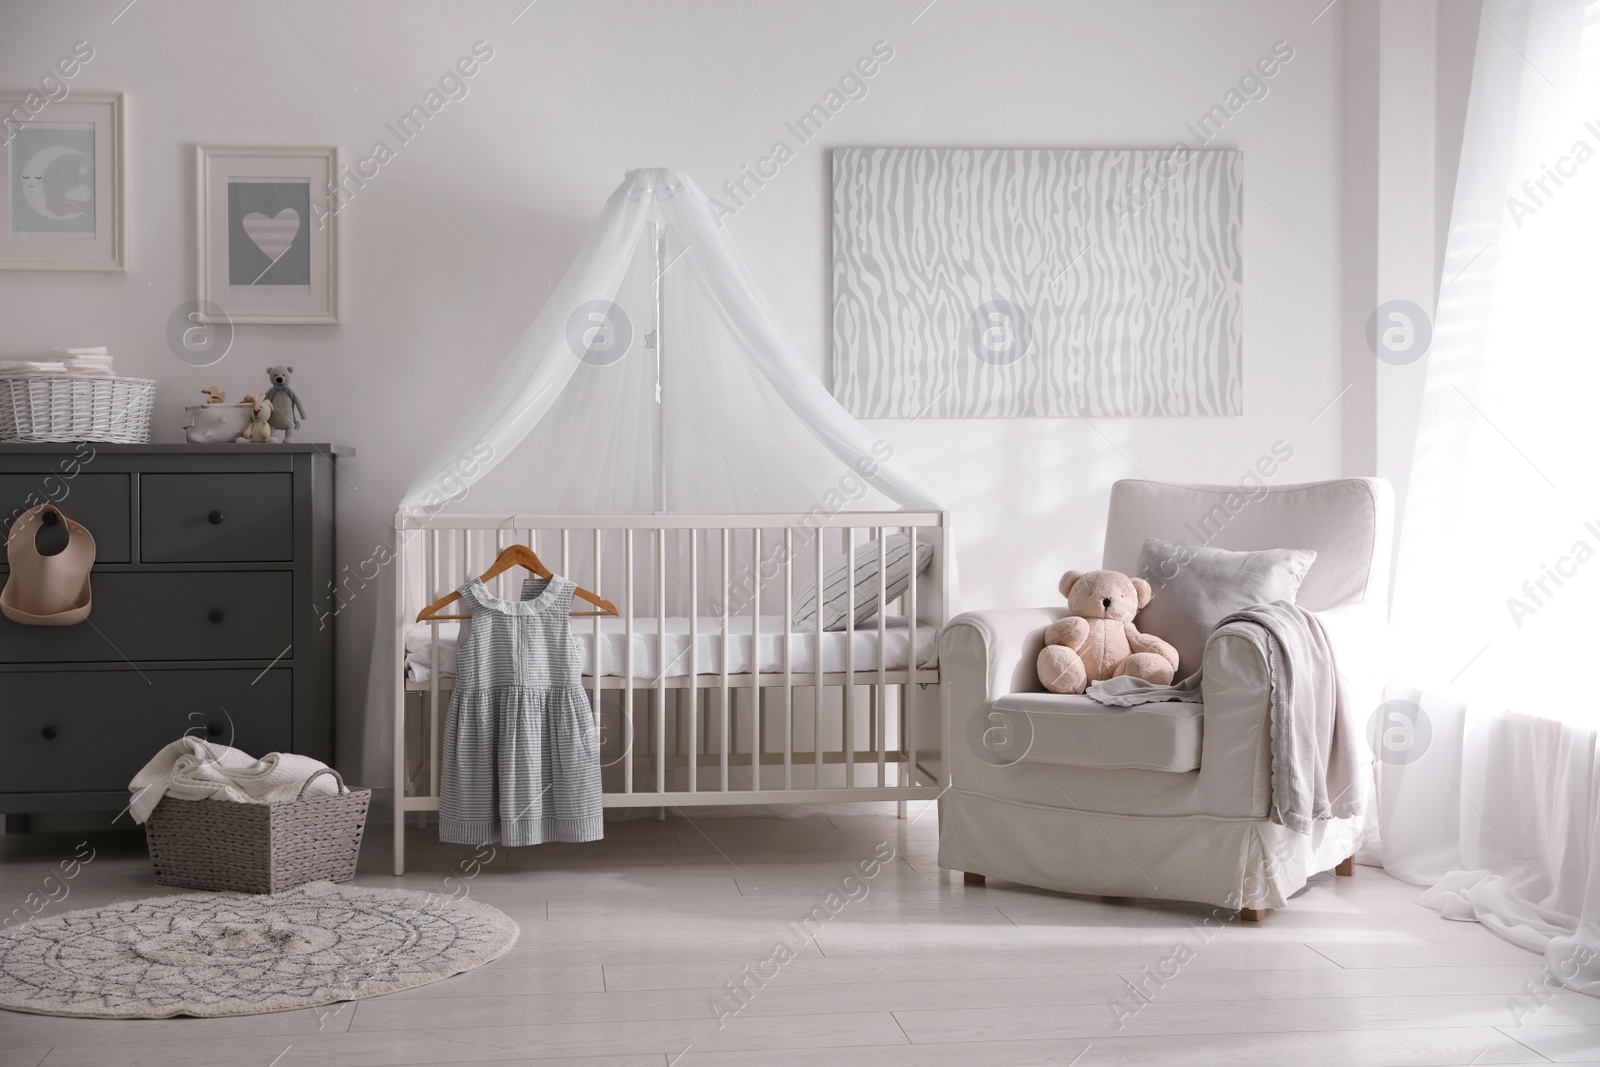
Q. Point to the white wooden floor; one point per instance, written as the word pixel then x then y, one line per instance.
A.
pixel 625 943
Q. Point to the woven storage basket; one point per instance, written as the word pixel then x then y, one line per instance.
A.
pixel 75 408
pixel 258 848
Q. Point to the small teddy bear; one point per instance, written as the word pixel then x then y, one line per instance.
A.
pixel 286 409
pixel 1099 640
pixel 260 429
pixel 213 395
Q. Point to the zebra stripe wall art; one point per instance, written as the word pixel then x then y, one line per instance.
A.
pixel 1000 283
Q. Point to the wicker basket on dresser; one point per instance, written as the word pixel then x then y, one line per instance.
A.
pixel 211 615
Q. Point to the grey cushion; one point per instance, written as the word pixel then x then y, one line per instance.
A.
pixel 1076 731
pixel 897 560
pixel 1193 589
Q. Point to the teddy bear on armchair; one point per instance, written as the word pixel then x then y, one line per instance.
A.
pixel 1099 640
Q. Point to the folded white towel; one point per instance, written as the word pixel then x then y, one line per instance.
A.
pixel 93 362
pixel 89 363
pixel 193 769
pixel 31 366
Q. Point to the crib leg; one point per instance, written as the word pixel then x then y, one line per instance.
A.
pixel 971 878
pixel 1346 868
pixel 661 815
pixel 900 809
pixel 1252 915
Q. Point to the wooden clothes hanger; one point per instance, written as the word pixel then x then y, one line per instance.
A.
pixel 516 556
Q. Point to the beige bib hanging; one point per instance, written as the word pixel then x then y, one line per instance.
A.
pixel 47 590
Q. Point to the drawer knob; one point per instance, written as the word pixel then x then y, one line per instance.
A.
pixel 214 729
pixel 215 614
pixel 49 733
pixel 215 518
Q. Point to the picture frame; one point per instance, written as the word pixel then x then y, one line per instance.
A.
pixel 1038 283
pixel 62 184
pixel 268 238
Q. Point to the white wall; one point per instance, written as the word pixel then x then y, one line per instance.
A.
pixel 1407 74
pixel 1358 256
pixel 578 93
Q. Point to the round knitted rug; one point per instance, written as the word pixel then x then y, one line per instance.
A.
pixel 214 954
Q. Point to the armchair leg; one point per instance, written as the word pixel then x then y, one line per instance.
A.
pixel 971 878
pixel 1252 915
pixel 1346 868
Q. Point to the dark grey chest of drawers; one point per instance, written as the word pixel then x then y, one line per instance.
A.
pixel 210 616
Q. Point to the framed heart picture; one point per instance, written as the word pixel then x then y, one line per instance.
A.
pixel 269 239
pixel 61 186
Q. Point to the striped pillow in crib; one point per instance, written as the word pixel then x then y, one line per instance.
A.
pixel 898 572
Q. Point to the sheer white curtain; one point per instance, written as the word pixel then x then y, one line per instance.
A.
pixel 1496 803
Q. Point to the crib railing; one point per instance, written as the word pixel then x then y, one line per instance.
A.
pixel 718 572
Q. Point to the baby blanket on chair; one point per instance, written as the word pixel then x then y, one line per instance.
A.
pixel 1316 760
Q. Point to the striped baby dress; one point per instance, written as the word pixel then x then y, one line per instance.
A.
pixel 521 761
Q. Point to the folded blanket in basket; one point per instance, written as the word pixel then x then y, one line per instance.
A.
pixel 193 769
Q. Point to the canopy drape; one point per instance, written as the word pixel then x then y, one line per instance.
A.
pixel 656 378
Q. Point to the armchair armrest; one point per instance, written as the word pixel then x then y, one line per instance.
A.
pixel 1236 746
pixel 985 655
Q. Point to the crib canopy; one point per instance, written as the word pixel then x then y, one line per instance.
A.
pixel 656 378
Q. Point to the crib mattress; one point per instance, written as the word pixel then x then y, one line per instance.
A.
pixel 743 657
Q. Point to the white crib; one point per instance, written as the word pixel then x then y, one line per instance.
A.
pixel 701 697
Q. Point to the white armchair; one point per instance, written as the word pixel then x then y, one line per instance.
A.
pixel 1168 800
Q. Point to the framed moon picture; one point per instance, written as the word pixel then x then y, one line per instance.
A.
pixel 269 239
pixel 61 185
